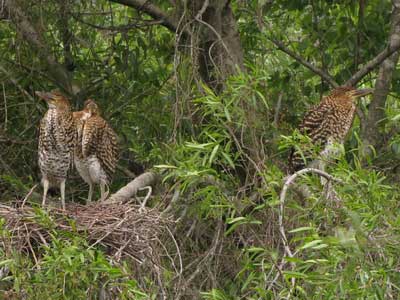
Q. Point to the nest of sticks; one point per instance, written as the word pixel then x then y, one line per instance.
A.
pixel 120 227
pixel 123 229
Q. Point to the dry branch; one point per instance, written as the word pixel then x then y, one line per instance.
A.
pixel 322 73
pixel 282 198
pixel 130 190
pixel 152 10
pixel 373 63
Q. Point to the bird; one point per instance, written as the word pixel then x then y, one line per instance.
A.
pixel 324 125
pixel 96 151
pixel 57 137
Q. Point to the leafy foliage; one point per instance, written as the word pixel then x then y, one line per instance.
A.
pixel 68 269
pixel 222 152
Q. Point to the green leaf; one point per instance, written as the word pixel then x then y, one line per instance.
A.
pixel 227 114
pixel 213 153
pixel 310 244
pixel 300 229
pixel 291 274
pixel 229 160
pixel 234 220
pixel 165 167
pixel 6 262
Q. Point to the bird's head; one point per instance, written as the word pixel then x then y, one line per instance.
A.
pixel 350 93
pixel 91 107
pixel 54 99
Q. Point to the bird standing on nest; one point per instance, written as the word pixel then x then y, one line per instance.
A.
pixel 96 151
pixel 56 143
pixel 325 124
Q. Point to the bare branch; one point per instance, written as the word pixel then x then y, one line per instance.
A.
pixel 120 28
pixel 131 189
pixel 152 10
pixel 202 10
pixel 282 198
pixel 373 63
pixel 289 181
pixel 324 75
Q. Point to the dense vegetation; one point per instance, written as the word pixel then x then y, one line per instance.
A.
pixel 208 95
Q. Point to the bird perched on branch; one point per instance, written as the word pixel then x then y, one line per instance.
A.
pixel 96 151
pixel 326 124
pixel 56 143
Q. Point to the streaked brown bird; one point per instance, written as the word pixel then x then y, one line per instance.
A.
pixel 56 143
pixel 96 151
pixel 326 124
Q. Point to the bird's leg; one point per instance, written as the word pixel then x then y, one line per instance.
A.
pixel 102 190
pixel 321 166
pixel 45 189
pixel 103 193
pixel 62 190
pixel 89 199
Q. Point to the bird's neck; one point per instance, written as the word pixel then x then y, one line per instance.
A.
pixel 343 102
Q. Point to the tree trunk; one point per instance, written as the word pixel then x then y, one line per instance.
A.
pixel 220 51
pixel 371 129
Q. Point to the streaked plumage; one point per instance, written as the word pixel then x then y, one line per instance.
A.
pixel 96 152
pixel 327 123
pixel 56 143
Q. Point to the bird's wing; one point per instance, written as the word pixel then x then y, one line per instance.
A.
pixel 79 124
pixel 91 133
pixel 100 140
pixel 46 134
pixel 42 132
pixel 316 125
pixel 109 151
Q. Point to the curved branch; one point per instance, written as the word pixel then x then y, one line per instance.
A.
pixel 324 75
pixel 131 189
pixel 373 63
pixel 282 198
pixel 152 10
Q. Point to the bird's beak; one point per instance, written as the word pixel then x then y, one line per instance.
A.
pixel 45 96
pixel 362 92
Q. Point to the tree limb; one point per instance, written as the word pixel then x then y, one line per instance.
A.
pixel 131 189
pixel 282 198
pixel 57 71
pixel 356 77
pixel 324 75
pixel 373 63
pixel 152 10
pixel 371 127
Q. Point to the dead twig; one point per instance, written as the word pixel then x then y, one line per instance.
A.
pixel 28 195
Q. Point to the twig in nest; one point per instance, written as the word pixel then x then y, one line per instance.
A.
pixel 28 195
pixel 143 205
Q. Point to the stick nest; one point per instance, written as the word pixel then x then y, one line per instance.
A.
pixel 122 228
